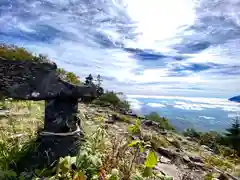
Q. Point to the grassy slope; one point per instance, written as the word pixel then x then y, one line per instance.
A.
pixel 24 118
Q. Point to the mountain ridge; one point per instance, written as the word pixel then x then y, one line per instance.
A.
pixel 235 99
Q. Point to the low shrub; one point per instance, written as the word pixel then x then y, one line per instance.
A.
pixel 163 122
pixel 158 141
pixel 217 161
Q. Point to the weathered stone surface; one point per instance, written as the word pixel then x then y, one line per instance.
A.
pixel 48 150
pixel 38 80
pixel 150 123
pixel 196 159
pixel 35 80
pixel 173 155
pixel 60 115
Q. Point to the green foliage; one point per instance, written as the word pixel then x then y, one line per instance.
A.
pixel 101 103
pixel 140 146
pixel 210 139
pixel 192 133
pixel 233 135
pixel 111 99
pixel 226 151
pixel 208 176
pixel 135 128
pixel 124 118
pixel 3 104
pixel 137 144
pixel 217 161
pixel 137 176
pixel 164 123
pixel 14 145
pixel 89 80
pixel 71 77
pixel 100 90
pixel 10 154
pixel 68 76
pixel 151 160
pixel 147 172
pixel 219 143
pixel 114 175
pixel 214 140
pixel 157 141
pixel 99 80
pixel 7 174
pixel 124 105
pixel 237 171
pixel 88 162
pixel 175 143
pixel 92 161
pixel 12 52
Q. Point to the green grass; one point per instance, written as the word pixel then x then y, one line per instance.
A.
pixel 217 161
pixel 104 153
pixel 18 130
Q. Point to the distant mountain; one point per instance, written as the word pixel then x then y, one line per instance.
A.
pixel 235 99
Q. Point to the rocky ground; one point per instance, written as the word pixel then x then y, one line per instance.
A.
pixel 178 156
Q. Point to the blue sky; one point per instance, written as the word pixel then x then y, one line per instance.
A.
pixel 155 48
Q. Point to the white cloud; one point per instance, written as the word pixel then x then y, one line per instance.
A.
pixel 113 67
pixel 201 106
pixel 193 103
pixel 159 25
pixel 234 115
pixel 188 106
pixel 173 14
pixel 206 117
pixel 135 104
pixel 158 105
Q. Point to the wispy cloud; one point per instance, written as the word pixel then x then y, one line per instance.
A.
pixel 206 117
pixel 135 104
pixel 187 112
pixel 148 47
pixel 190 103
pixel 158 105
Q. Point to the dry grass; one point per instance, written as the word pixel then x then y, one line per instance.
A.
pixel 17 129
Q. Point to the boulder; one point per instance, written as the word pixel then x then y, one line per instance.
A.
pixel 223 177
pixel 150 123
pixel 196 159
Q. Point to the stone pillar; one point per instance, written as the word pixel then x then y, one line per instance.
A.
pixel 60 137
pixel 61 115
pixel 39 80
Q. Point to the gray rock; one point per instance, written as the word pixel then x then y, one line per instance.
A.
pixel 164 160
pixel 196 159
pixel 186 158
pixel 38 80
pixel 150 123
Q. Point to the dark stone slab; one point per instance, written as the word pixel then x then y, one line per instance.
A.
pixel 60 115
pixel 30 80
pixel 38 80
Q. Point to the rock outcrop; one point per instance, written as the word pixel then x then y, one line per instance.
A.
pixel 38 80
